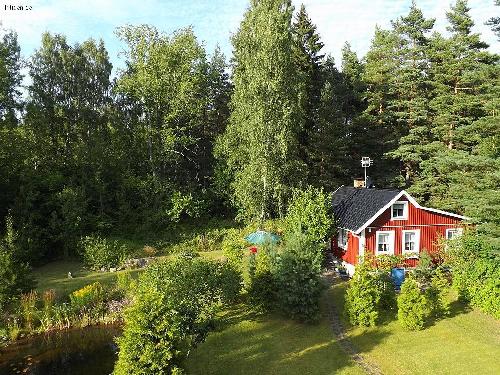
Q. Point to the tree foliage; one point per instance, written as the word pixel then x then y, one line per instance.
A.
pixel 298 278
pixel 476 272
pixel 179 134
pixel 259 144
pixel 309 213
pixel 172 312
pixel 16 276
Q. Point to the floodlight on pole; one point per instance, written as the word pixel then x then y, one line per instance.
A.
pixel 365 163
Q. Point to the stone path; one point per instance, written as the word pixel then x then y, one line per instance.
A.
pixel 339 331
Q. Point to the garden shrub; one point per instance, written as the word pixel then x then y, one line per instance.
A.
pixel 388 262
pixel 370 291
pixel 385 285
pixel 99 252
pixel 173 309
pixel 413 305
pixel 298 278
pixel 437 293
pixel 425 269
pixel 476 272
pixel 124 282
pixel 233 247
pixel 87 298
pixel 309 213
pixel 149 251
pixel 263 289
pixel 230 281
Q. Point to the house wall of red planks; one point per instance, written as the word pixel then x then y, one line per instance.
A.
pixel 431 225
pixel 350 255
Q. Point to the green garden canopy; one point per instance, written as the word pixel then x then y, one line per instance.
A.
pixel 260 237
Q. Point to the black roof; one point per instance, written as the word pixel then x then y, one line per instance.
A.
pixel 353 207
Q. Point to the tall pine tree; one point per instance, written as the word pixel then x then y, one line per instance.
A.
pixel 309 60
pixel 412 90
pixel 380 116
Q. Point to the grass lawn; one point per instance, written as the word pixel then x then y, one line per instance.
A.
pixel 252 343
pixel 467 342
pixel 55 275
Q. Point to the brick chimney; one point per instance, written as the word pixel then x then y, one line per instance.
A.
pixel 359 182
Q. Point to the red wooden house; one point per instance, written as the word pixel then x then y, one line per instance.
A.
pixel 387 221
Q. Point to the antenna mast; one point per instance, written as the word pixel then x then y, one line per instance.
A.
pixel 365 163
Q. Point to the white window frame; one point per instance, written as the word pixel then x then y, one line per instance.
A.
pixel 391 242
pixel 405 211
pixel 458 230
pixel 417 242
pixel 342 238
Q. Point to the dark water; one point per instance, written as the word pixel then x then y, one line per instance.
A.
pixel 88 351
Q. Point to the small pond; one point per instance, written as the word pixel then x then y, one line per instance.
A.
pixel 91 350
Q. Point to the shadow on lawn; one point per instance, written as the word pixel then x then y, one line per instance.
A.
pixel 457 307
pixel 248 342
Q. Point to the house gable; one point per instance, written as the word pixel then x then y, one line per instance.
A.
pixel 416 214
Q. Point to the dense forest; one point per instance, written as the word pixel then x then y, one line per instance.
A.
pixel 182 134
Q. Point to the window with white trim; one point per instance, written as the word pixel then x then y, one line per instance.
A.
pixel 342 239
pixel 385 242
pixel 452 233
pixel 399 210
pixel 411 241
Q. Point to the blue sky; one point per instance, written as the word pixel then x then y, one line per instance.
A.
pixel 215 20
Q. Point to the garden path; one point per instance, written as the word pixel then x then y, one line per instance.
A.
pixel 331 277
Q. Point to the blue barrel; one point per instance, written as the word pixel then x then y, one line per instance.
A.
pixel 398 276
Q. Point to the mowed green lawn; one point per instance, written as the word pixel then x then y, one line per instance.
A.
pixel 252 343
pixel 467 342
pixel 55 275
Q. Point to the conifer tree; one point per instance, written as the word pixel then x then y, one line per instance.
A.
pixel 457 67
pixel 326 155
pixel 463 173
pixel 380 116
pixel 309 60
pixel 412 91
pixel 358 133
pixel 494 22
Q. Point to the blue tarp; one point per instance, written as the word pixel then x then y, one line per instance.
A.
pixel 260 237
